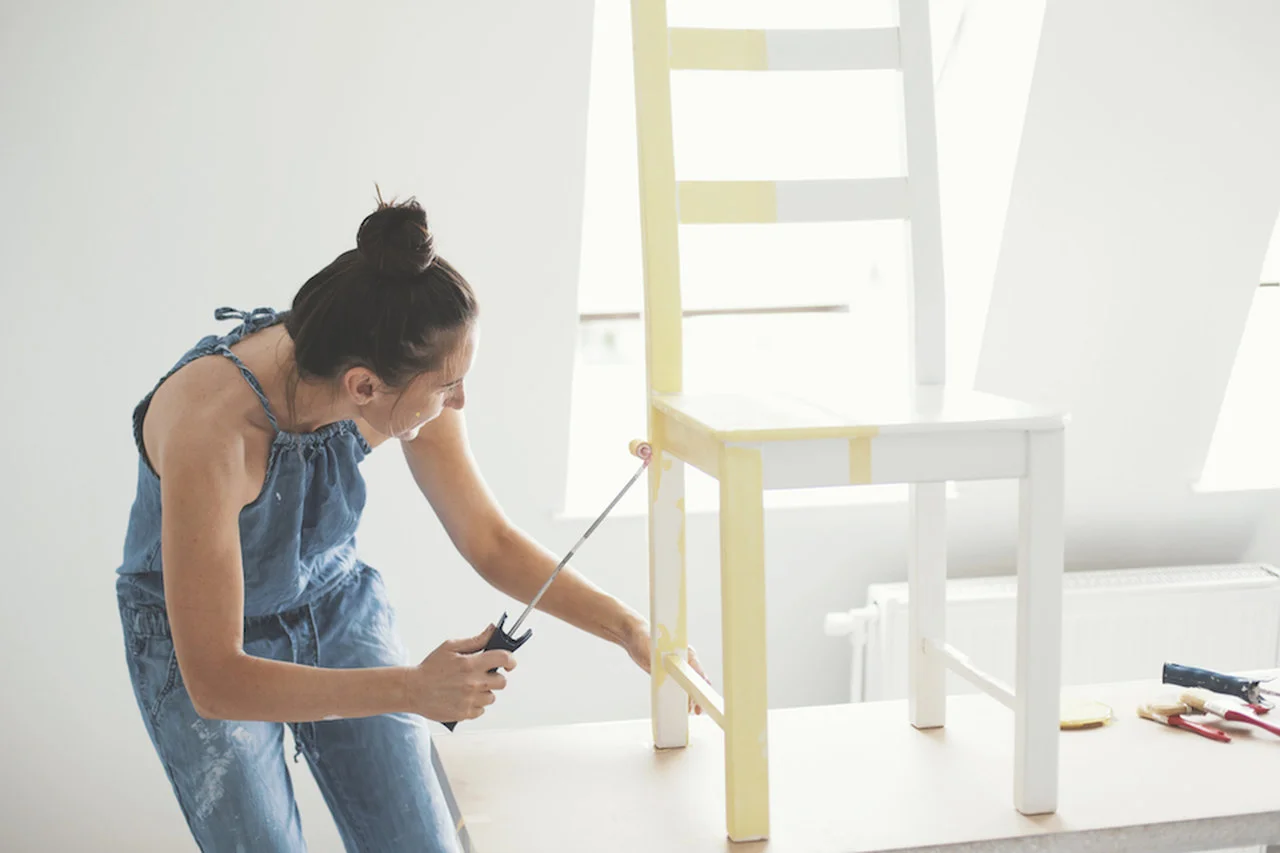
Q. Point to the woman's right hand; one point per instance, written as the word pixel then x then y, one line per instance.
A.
pixel 453 683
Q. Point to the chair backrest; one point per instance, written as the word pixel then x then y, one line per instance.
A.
pixel 665 203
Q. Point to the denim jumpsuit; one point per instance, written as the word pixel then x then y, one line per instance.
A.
pixel 309 600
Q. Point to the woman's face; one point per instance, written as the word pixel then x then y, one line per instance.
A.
pixel 401 413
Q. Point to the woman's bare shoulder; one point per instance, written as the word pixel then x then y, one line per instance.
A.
pixel 206 417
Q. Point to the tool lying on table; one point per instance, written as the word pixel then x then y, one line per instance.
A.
pixel 1171 714
pixel 507 640
pixel 1248 689
pixel 1222 706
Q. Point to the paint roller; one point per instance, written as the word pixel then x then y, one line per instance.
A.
pixel 507 640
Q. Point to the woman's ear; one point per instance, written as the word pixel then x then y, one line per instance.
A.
pixel 361 385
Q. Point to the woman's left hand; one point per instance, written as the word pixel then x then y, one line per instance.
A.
pixel 639 646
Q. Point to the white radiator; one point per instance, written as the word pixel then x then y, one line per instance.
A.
pixel 1118 625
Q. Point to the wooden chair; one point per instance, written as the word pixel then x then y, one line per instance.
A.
pixel 925 437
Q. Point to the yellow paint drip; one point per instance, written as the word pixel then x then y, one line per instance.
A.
pixel 667 640
pixel 664 464
pixel 676 642
pixel 665 645
pixel 680 535
pixel 859 461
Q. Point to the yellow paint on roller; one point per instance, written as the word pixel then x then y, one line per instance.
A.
pixel 742 607
pixel 718 49
pixel 728 201
pixel 859 461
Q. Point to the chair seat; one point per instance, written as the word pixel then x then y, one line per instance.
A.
pixel 761 417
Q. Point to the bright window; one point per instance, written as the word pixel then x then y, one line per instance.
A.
pixel 1245 450
pixel 787 308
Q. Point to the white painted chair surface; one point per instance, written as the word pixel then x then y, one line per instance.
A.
pixel 929 435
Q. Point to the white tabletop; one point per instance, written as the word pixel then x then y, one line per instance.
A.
pixel 848 778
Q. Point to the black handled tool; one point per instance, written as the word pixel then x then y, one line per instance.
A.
pixel 500 639
pixel 508 640
pixel 1248 689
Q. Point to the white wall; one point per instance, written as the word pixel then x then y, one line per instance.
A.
pixel 158 163
pixel 1147 187
pixel 161 159
pixel 1265 545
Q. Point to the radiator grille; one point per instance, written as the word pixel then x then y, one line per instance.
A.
pixel 1118 625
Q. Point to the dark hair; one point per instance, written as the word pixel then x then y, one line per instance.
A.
pixel 391 304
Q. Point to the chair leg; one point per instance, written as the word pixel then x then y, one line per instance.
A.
pixel 1039 649
pixel 742 589
pixel 926 604
pixel 668 608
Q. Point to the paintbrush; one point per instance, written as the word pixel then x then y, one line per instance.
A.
pixel 1170 714
pixel 1222 706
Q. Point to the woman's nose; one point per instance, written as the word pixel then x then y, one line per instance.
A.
pixel 458 398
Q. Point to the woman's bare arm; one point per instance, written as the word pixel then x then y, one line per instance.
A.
pixel 510 560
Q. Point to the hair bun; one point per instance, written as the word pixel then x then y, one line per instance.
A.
pixel 395 239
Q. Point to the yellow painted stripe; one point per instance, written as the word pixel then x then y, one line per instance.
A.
pixel 859 461
pixel 671 637
pixel 797 434
pixel 762 435
pixel 742 609
pixel 658 223
pixel 695 686
pixel 690 442
pixel 728 201
pixel 718 50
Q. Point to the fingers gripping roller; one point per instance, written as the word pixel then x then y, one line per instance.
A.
pixel 500 639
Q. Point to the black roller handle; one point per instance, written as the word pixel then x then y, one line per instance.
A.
pixel 500 639
pixel 1217 682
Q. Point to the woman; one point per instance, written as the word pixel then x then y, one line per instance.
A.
pixel 243 602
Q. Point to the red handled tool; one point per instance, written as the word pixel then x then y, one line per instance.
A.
pixel 1221 706
pixel 1170 714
